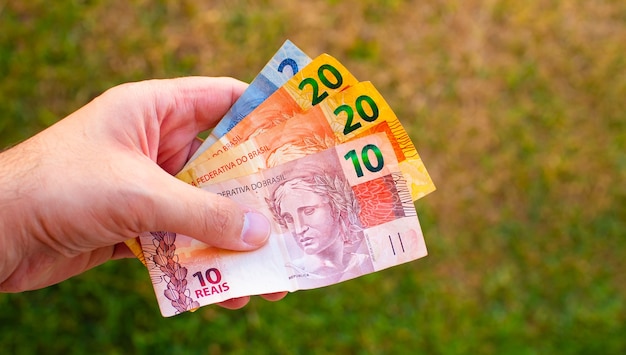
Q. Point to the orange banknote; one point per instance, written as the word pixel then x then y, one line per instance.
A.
pixel 320 79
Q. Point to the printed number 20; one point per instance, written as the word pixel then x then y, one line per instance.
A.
pixel 336 82
pixel 363 114
pixel 365 158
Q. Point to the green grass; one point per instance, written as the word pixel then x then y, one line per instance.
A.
pixel 517 110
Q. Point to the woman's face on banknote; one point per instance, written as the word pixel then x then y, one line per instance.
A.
pixel 310 220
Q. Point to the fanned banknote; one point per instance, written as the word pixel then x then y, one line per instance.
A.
pixel 326 160
pixel 357 111
pixel 285 63
pixel 323 77
pixel 336 215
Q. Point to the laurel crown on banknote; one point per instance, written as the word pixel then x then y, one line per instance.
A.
pixel 324 157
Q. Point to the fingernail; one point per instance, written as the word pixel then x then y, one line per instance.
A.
pixel 256 229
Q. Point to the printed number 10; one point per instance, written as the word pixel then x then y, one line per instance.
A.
pixel 365 158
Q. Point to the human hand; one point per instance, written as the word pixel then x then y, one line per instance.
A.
pixel 71 195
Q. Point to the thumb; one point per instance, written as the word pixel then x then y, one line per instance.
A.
pixel 210 218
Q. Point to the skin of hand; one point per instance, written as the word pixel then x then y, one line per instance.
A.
pixel 71 195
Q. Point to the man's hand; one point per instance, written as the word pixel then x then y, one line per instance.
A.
pixel 72 194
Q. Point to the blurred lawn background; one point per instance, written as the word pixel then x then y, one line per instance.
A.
pixel 517 108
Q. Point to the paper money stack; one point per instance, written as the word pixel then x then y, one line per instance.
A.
pixel 324 157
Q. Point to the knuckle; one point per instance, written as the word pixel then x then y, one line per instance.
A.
pixel 221 221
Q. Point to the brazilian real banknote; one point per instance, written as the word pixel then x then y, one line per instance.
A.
pixel 337 214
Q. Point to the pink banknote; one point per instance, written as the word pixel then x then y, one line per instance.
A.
pixel 336 215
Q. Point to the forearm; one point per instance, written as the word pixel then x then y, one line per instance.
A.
pixel 16 187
